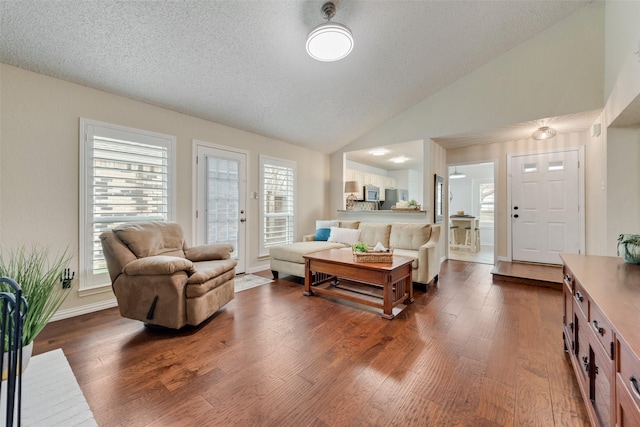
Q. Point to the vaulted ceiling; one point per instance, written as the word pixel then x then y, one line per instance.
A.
pixel 244 64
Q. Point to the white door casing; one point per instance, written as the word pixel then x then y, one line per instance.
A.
pixel 221 198
pixel 545 206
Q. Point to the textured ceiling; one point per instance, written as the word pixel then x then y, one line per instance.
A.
pixel 244 64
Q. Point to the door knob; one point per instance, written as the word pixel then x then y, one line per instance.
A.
pixel 515 216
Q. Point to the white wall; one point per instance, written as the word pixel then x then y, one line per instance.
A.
pixel 558 72
pixel 39 167
pixel 623 175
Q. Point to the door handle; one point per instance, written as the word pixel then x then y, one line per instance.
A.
pixel 243 219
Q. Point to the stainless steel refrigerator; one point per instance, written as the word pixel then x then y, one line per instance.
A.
pixel 392 196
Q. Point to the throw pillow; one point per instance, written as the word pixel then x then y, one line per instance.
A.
pixel 323 229
pixel 347 236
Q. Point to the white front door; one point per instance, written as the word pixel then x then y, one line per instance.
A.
pixel 221 199
pixel 545 206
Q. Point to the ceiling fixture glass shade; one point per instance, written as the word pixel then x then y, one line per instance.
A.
pixel 456 174
pixel 329 41
pixel 545 132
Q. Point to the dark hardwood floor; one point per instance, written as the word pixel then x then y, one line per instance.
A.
pixel 468 353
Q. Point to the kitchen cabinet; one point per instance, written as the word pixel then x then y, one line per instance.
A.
pixel 601 333
pixel 364 178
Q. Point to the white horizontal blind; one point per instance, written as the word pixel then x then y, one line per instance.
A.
pixel 128 177
pixel 278 202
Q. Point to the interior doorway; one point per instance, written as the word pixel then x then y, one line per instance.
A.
pixel 545 202
pixel 472 213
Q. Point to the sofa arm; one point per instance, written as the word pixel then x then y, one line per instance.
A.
pixel 158 265
pixel 208 252
pixel 429 258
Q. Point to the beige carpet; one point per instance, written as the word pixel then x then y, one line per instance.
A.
pixel 248 281
pixel 51 395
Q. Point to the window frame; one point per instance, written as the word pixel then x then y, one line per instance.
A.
pixel 291 164
pixel 89 282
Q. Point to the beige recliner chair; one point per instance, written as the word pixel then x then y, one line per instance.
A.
pixel 159 280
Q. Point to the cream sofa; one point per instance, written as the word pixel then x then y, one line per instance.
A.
pixel 417 241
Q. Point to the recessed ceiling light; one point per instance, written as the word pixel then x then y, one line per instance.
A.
pixel 379 152
pixel 399 159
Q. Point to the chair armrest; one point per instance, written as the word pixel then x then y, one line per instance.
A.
pixel 158 265
pixel 209 252
pixel 308 237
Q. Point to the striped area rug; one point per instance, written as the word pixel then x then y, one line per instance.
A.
pixel 51 395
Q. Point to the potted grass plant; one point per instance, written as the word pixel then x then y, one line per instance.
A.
pixel 38 273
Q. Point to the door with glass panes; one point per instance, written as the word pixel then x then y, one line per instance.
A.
pixel 221 199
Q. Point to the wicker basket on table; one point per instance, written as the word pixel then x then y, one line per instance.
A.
pixel 374 257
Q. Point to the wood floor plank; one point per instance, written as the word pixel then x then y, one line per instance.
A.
pixel 467 352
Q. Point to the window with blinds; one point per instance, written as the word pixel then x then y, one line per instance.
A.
pixel 128 177
pixel 277 179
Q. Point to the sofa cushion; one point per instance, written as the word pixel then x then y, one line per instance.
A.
pixel 348 236
pixel 323 229
pixel 152 238
pixel 409 254
pixel 348 224
pixel 372 233
pixel 294 252
pixel 409 236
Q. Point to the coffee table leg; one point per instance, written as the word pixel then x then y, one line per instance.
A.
pixel 307 278
pixel 387 298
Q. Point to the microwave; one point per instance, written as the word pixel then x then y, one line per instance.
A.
pixel 371 193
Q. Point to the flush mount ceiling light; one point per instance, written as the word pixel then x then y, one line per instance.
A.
pixel 329 41
pixel 456 174
pixel 378 152
pixel 545 132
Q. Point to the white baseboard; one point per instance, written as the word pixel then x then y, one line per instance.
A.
pixel 504 258
pixel 85 309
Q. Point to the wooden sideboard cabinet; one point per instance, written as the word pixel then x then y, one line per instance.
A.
pixel 601 333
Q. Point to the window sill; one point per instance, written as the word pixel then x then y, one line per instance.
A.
pixel 95 290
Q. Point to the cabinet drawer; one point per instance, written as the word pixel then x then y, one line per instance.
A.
pixel 629 370
pixel 601 328
pixel 627 413
pixel 580 296
pixel 567 277
pixel 581 345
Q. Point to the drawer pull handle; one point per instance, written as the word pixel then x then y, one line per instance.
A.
pixel 579 297
pixel 567 278
pixel 585 363
pixel 597 327
pixel 634 386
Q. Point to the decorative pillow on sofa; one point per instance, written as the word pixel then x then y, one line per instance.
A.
pixel 347 236
pixel 323 229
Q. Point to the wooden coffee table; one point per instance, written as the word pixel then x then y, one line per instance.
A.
pixel 334 272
